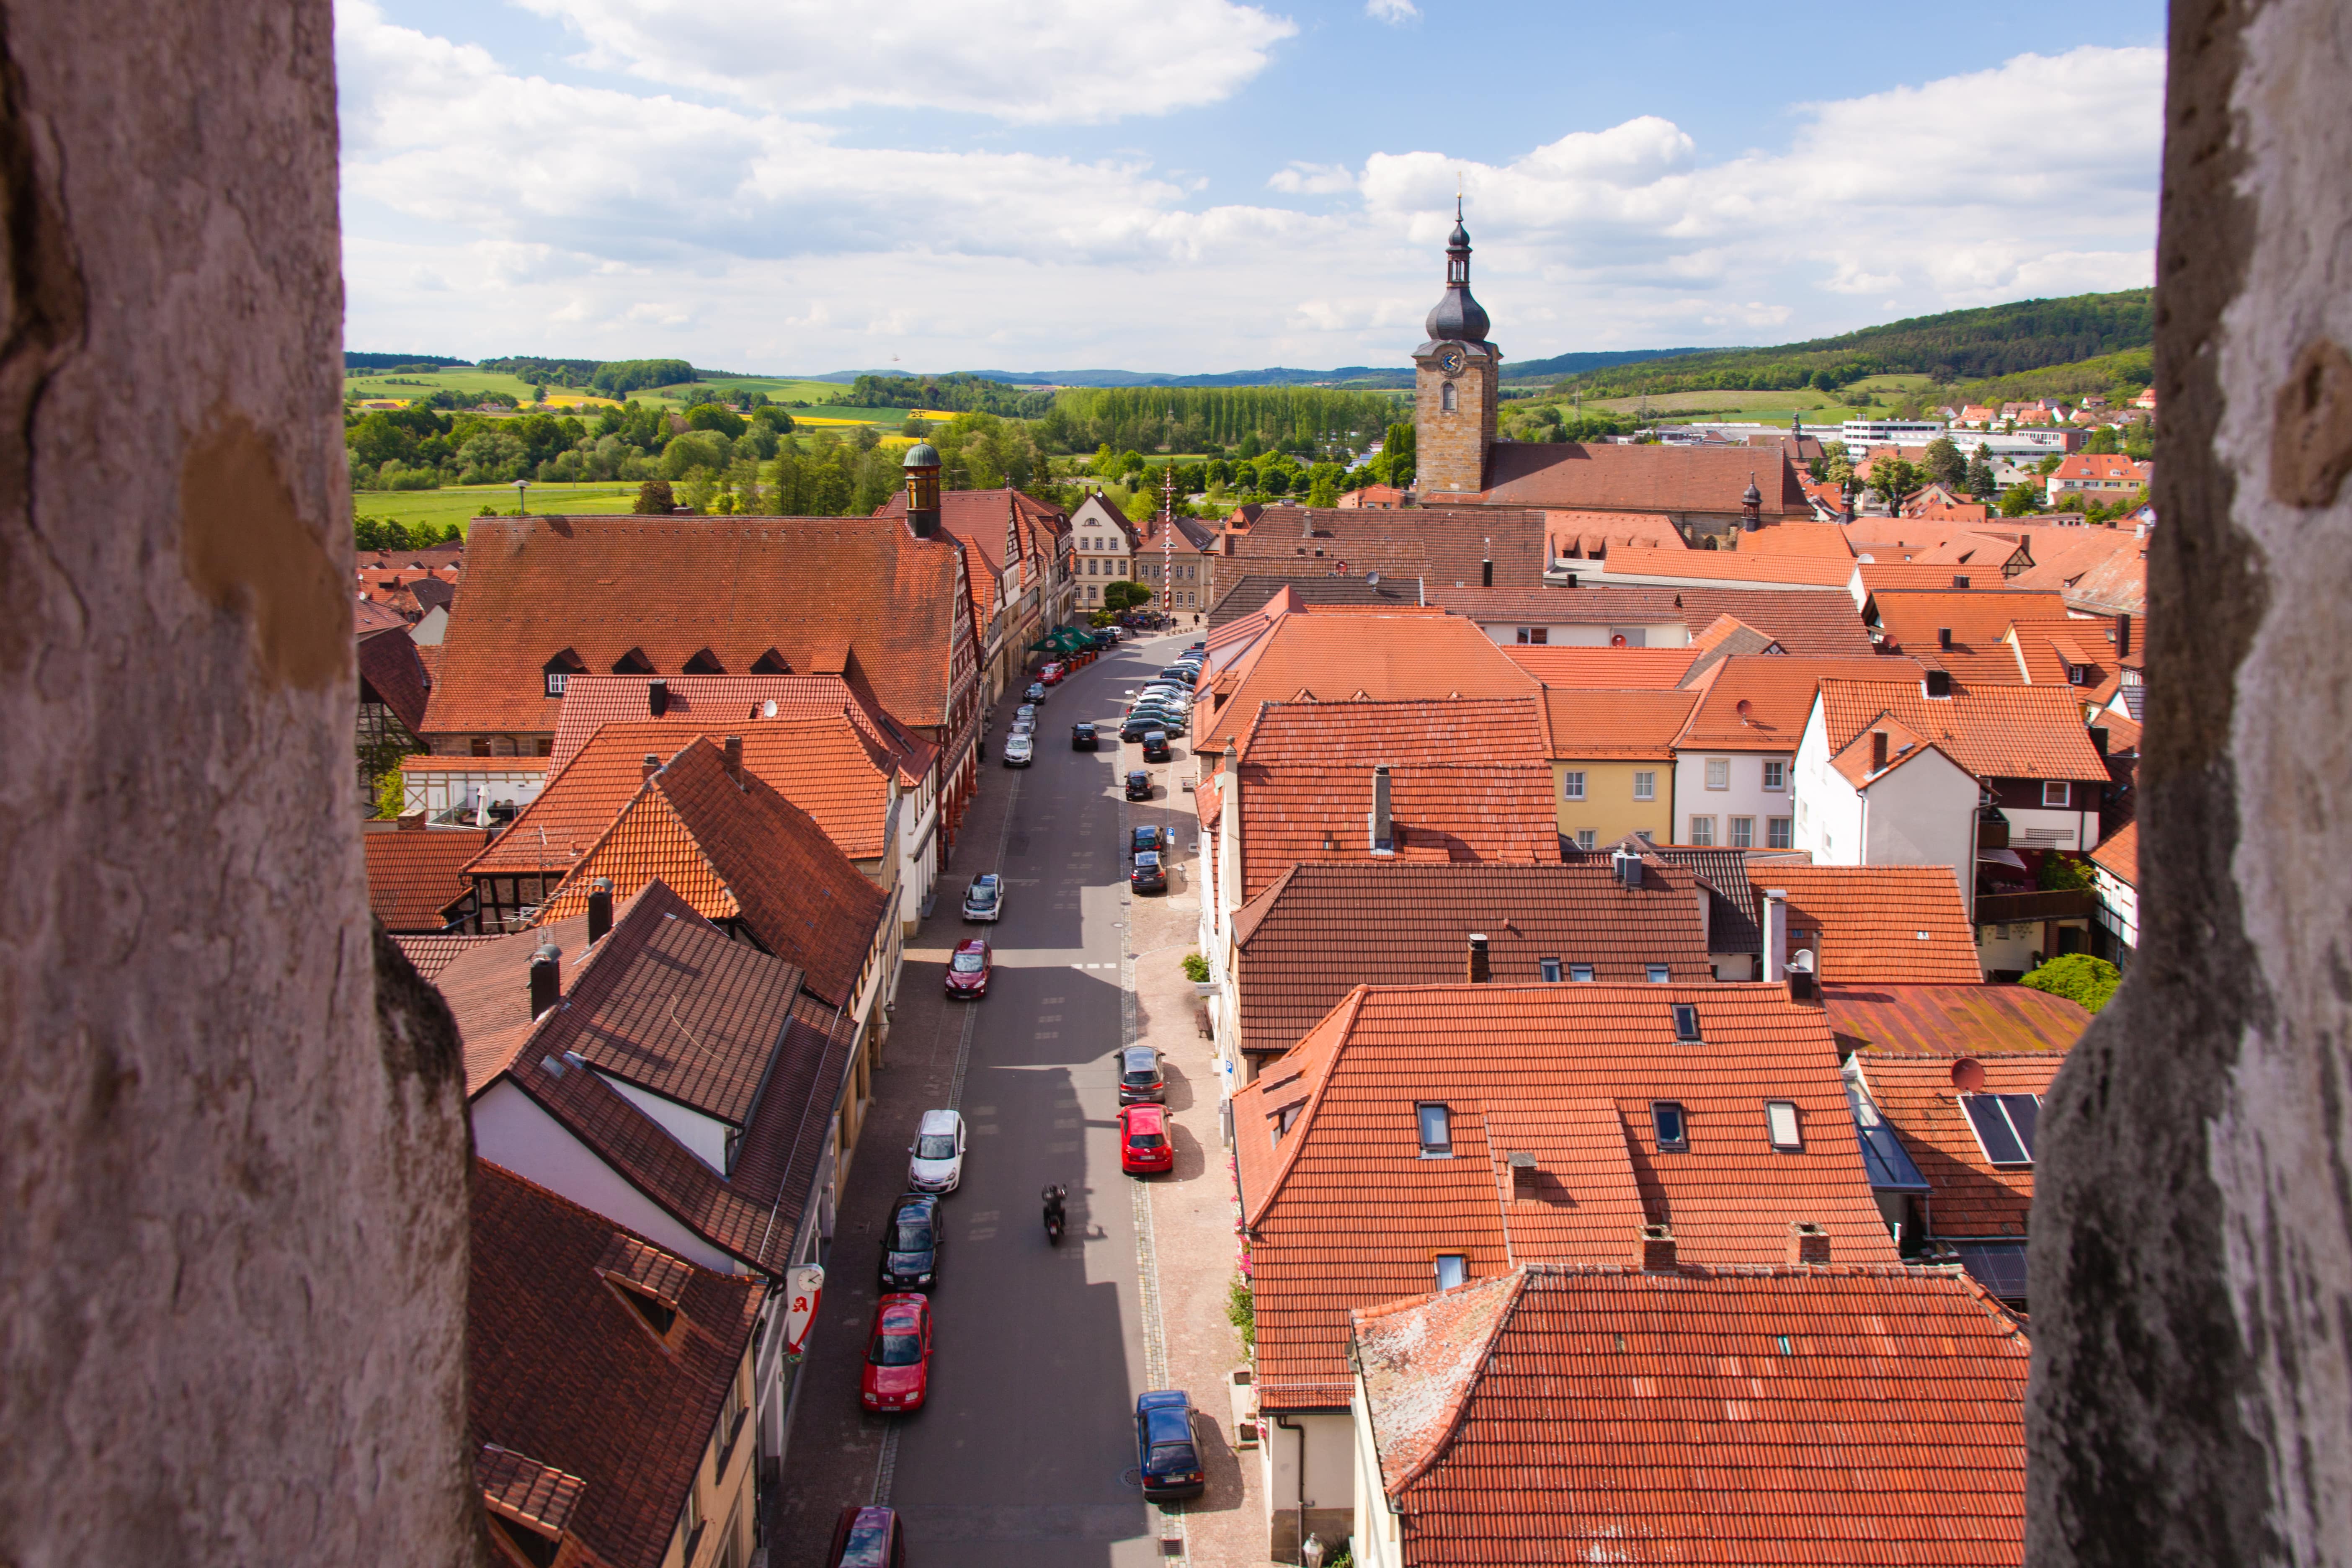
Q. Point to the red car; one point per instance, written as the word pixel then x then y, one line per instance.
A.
pixel 898 1357
pixel 1143 1146
pixel 1053 675
pixel 967 969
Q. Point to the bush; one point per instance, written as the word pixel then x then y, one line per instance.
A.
pixel 655 499
pixel 2078 977
pixel 1241 1310
pixel 2064 873
pixel 1196 968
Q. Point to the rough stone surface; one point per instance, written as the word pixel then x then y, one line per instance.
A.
pixel 233 1265
pixel 1450 449
pixel 2192 1235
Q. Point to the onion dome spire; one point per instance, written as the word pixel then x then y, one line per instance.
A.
pixel 1457 318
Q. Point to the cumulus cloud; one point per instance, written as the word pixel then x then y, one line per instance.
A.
pixel 1390 10
pixel 1313 179
pixel 1023 61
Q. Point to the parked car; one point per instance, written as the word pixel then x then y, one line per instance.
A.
pixel 1139 786
pixel 866 1537
pixel 897 1376
pixel 1167 1445
pixel 1140 1076
pixel 1143 1146
pixel 1149 876
pixel 1020 750
pixel 968 970
pixel 1022 727
pixel 1053 675
pixel 1036 692
pixel 1150 835
pixel 984 900
pixel 1199 647
pixel 1138 725
pixel 1155 745
pixel 935 1159
pixel 910 1243
pixel 1180 671
pixel 1083 738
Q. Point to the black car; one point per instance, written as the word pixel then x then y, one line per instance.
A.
pixel 1150 835
pixel 910 1243
pixel 1140 1076
pixel 1149 876
pixel 1103 640
pixel 1138 725
pixel 1036 692
pixel 1155 746
pixel 1139 786
pixel 1167 1450
pixel 1083 738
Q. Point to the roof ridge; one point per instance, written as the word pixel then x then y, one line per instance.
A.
pixel 1459 1405
pixel 1352 1006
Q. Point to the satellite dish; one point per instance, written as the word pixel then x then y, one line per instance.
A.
pixel 1372 579
pixel 767 709
pixel 1618 640
pixel 1968 1075
pixel 1801 961
pixel 1744 709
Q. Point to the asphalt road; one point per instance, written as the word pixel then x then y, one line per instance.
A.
pixel 1025 1454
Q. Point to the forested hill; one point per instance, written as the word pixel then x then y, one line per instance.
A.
pixel 1959 345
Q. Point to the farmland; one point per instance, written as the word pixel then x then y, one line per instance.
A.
pixel 459 503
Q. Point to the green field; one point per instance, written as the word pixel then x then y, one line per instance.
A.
pixel 377 387
pixel 458 503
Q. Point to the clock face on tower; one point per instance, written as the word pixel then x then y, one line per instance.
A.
pixel 1449 360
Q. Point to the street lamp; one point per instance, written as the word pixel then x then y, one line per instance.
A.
pixel 522 507
pixel 1311 1551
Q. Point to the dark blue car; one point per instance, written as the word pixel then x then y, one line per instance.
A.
pixel 1147 836
pixel 911 1243
pixel 1166 1446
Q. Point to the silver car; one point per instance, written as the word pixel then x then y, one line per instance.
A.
pixel 935 1160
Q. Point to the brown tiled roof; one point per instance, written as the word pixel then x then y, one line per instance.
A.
pixel 2046 648
pixel 1876 925
pixel 572 810
pixel 1825 540
pixel 1469 780
pixel 1928 1019
pixel 567 1381
pixel 1978 619
pixel 739 852
pixel 1732 910
pixel 1778 691
pixel 1592 603
pixel 1385 656
pixel 1733 567
pixel 1813 623
pixel 1343 1210
pixel 1249 593
pixel 2118 854
pixel 1910 577
pixel 1322 929
pixel 1603 724
pixel 1574 476
pixel 1993 732
pixel 391 671
pixel 2103 571
pixel 369 617
pixel 1968 1196
pixel 1784 1417
pixel 415 873
pixel 718 704
pixel 673 586
pixel 1444 545
pixel 1986 550
pixel 430 955
pixel 1602 668
pixel 1589 535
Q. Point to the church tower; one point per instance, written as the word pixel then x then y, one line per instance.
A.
pixel 1456 385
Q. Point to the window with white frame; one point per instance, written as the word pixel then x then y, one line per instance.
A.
pixel 1780 1123
pixel 1776 776
pixel 555 681
pixel 1587 838
pixel 1718 772
pixel 1538 635
pixel 1571 785
pixel 1452 1268
pixel 2056 792
pixel 1743 833
pixel 1550 968
pixel 1702 832
pixel 1580 973
pixel 1645 785
pixel 1435 1125
pixel 1778 833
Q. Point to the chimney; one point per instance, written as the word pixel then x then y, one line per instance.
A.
pixel 1523 1172
pixel 1944 638
pixel 652 765
pixel 2099 739
pixel 1480 970
pixel 733 753
pixel 2123 637
pixel 1383 829
pixel 1878 750
pixel 1776 935
pixel 1960 581
pixel 1809 1245
pixel 411 821
pixel 1939 683
pixel 1657 1247
pixel 600 908
pixel 546 978
pixel 657 696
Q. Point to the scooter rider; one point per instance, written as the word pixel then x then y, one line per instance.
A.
pixel 1056 1197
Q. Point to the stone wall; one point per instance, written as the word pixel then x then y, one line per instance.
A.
pixel 1450 449
pixel 233 1262
pixel 2192 1230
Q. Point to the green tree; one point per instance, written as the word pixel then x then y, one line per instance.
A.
pixel 1125 596
pixel 2021 499
pixel 1896 481
pixel 715 416
pixel 1944 463
pixel 1836 468
pixel 1980 480
pixel 2102 439
pixel 2078 977
pixel 655 499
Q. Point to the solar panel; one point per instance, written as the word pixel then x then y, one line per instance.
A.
pixel 1886 1163
pixel 1999 1267
pixel 2001 1144
pixel 2024 1112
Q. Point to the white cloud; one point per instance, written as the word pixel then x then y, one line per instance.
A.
pixel 1023 61
pixel 1313 179
pixel 1390 10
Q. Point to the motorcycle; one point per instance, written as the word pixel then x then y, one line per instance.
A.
pixel 1054 1216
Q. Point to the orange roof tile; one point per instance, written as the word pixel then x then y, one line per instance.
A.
pixel 1777 691
pixel 1386 655
pixel 1587 723
pixel 1344 1211
pixel 1993 732
pixel 1780 1416
pixel 1975 1018
pixel 1593 534
pixel 1877 925
pixel 1731 567
pixel 1987 552
pixel 1897 577
pixel 2118 854
pixel 435 762
pixel 1618 668
pixel 827 765
pixel 2047 647
pixel 415 873
pixel 1446 546
pixel 718 704
pixel 1469 780
pixel 1814 623
pixel 1827 541
pixel 1919 1096
pixel 1978 620
pixel 1655 478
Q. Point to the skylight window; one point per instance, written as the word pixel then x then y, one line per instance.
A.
pixel 1686 1022
pixel 1780 1122
pixel 1581 971
pixel 2004 1124
pixel 1436 1130
pixel 1669 1126
pixel 1659 974
pixel 1453 1268
pixel 1550 968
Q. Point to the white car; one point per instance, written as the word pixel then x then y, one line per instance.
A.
pixel 935 1162
pixel 1020 751
pixel 984 900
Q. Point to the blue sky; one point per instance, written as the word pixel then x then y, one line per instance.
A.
pixel 1203 185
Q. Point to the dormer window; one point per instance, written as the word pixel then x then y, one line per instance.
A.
pixel 559 670
pixel 633 662
pixel 705 662
pixel 556 679
pixel 1580 973
pixel 1550 967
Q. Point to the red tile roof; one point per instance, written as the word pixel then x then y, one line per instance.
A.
pixel 1978 620
pixel 1968 1196
pixel 1813 623
pixel 1593 534
pixel 1929 1019
pixel 435 762
pixel 1621 668
pixel 431 955
pixel 2118 853
pixel 1778 692
pixel 1572 475
pixel 2047 647
pixel 1381 654
pixel 718 704
pixel 1607 724
pixel 740 853
pixel 1993 732
pixel 415 873
pixel 391 671
pixel 538 587
pixel 1322 929
pixel 1591 603
pixel 1446 546
pixel 1827 541
pixel 580 1414
pixel 1344 1211
pixel 1899 576
pixel 1877 925
pixel 1469 780
pixel 1732 567
pixel 1783 1417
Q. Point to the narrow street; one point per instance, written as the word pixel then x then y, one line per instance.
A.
pixel 1026 1454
